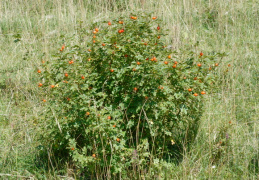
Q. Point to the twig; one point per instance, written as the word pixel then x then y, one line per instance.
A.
pixel 56 121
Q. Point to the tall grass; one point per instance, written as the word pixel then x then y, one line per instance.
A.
pixel 222 150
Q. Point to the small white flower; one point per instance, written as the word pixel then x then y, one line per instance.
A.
pixel 213 167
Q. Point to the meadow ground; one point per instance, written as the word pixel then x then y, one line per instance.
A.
pixel 29 28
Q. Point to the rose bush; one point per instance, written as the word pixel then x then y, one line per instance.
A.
pixel 120 99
